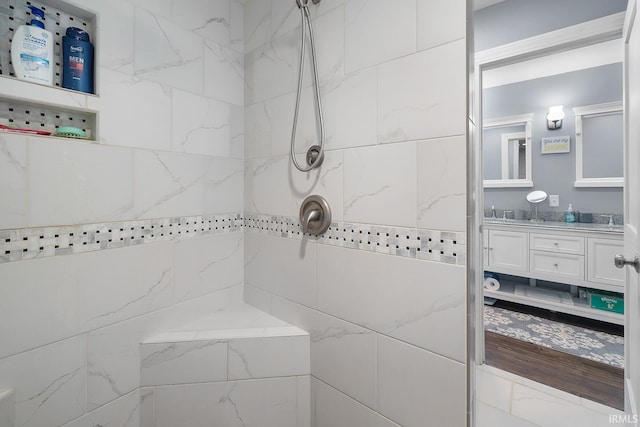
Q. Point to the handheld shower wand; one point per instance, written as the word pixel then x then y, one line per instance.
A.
pixel 315 154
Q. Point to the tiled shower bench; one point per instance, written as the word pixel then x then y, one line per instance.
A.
pixel 238 367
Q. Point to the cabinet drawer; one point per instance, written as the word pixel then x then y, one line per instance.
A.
pixel 560 265
pixel 560 244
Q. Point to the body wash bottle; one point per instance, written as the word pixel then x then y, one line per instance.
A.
pixel 32 50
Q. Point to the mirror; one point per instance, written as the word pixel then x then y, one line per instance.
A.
pixel 581 160
pixel 507 152
pixel 599 144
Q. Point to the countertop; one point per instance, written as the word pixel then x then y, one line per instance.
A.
pixel 578 226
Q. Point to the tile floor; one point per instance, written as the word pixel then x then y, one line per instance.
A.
pixel 508 400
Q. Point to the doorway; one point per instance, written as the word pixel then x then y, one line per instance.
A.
pixel 527 254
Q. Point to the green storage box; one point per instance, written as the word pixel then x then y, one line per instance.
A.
pixel 607 301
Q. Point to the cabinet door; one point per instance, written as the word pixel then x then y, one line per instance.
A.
pixel 509 250
pixel 600 267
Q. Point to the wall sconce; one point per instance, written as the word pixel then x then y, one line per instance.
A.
pixel 554 118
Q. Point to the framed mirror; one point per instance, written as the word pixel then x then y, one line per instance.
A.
pixel 599 142
pixel 507 152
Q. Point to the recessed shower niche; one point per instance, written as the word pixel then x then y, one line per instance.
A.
pixel 39 108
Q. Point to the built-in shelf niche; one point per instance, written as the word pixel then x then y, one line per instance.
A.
pixel 42 107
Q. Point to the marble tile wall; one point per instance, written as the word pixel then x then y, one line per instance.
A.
pixel 170 86
pixel 387 332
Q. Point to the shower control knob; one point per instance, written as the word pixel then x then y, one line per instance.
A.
pixel 315 215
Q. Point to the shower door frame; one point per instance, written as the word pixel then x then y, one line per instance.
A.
pixel 580 35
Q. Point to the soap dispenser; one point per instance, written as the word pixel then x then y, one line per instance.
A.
pixel 570 215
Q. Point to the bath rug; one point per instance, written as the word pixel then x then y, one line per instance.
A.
pixel 594 345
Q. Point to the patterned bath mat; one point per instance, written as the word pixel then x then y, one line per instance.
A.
pixel 594 345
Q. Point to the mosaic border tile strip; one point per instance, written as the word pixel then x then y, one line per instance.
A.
pixel 33 243
pixel 440 246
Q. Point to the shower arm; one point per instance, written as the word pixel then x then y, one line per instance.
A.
pixel 304 11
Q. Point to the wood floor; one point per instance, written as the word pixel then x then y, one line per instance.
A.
pixel 591 380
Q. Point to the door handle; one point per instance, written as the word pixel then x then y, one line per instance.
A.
pixel 620 261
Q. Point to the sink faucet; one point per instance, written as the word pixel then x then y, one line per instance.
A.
pixel 493 212
pixel 504 215
pixel 610 219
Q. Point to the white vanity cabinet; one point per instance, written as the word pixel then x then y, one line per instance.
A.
pixel 555 256
pixel 507 251
pixel 575 255
pixel 600 267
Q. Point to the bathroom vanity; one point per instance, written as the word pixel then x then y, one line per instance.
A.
pixel 576 255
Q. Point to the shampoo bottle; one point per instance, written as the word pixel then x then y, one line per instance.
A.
pixel 32 50
pixel 77 60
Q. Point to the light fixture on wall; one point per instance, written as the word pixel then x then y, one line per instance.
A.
pixel 554 118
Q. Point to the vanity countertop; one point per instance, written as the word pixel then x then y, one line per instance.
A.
pixel 578 226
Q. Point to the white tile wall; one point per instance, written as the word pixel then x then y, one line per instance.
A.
pixel 351 109
pixel 505 399
pixel 207 264
pixel 13 182
pixel 407 299
pixel 270 69
pixel 439 22
pixel 113 361
pixel 342 354
pixel 167 53
pixel 169 183
pixel 252 358
pixel 415 385
pixel 54 298
pixel 210 19
pixel 334 409
pixel 257 24
pixel 375 198
pixel 224 76
pixel 170 79
pixel 134 112
pixel 7 402
pixel 200 125
pixel 49 383
pixel 393 88
pixel 264 257
pixel 124 412
pixel 183 362
pixel 75 183
pixel 258 130
pixel 329 47
pixel 442 201
pixel 377 31
pixel 251 403
pixel 265 186
pixel 172 84
pixel 423 95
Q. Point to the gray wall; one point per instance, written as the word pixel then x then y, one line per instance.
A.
pixel 519 19
pixel 555 173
